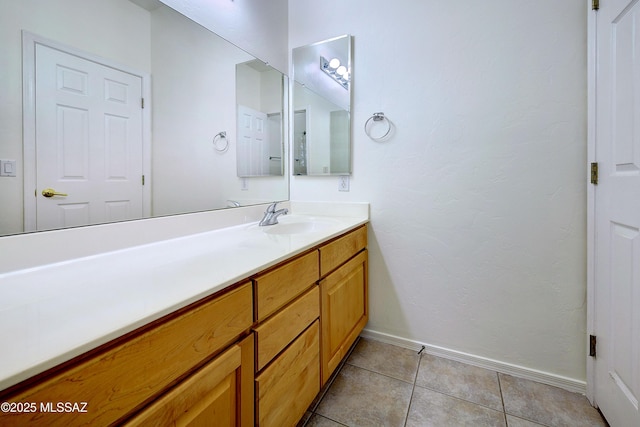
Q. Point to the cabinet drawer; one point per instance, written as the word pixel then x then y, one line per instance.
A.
pixel 281 285
pixel 276 333
pixel 288 386
pixel 119 380
pixel 209 394
pixel 340 250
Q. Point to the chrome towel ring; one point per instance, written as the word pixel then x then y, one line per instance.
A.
pixel 369 124
pixel 220 142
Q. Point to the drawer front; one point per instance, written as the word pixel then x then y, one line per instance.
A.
pixel 288 386
pixel 117 381
pixel 210 392
pixel 276 333
pixel 281 285
pixel 333 254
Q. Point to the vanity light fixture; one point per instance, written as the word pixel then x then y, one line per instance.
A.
pixel 336 71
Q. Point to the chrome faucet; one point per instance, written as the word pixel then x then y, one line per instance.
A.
pixel 271 215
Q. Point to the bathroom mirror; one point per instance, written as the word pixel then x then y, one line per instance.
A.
pixel 184 157
pixel 322 107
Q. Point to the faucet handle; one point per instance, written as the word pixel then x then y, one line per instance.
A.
pixel 272 207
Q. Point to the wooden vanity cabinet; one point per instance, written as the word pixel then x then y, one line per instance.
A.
pixel 300 342
pixel 255 354
pixel 287 341
pixel 154 366
pixel 344 296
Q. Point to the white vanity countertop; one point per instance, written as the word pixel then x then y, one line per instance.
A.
pixel 52 313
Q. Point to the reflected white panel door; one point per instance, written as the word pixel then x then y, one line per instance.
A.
pixel 88 141
pixel 617 215
pixel 253 142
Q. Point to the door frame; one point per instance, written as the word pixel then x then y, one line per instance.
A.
pixel 592 57
pixel 29 42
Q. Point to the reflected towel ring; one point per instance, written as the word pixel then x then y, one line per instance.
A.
pixel 217 145
pixel 377 117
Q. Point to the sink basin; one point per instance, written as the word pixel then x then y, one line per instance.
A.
pixel 298 225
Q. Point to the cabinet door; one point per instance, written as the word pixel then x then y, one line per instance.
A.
pixel 216 394
pixel 344 311
pixel 286 388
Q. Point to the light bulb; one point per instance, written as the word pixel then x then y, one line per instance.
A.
pixel 334 63
pixel 341 70
pixel 346 76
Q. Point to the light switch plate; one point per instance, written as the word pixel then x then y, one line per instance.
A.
pixel 7 168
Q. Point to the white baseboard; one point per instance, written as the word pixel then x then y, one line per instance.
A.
pixel 566 383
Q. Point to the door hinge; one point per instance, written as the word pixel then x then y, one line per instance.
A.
pixel 142 102
pixel 142 179
pixel 594 173
pixel 595 4
pixel 592 345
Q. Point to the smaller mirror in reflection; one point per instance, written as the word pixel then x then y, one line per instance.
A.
pixel 259 100
pixel 322 105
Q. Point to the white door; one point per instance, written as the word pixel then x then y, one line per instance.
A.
pixel 253 142
pixel 617 212
pixel 88 141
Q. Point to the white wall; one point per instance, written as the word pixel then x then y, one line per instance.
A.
pixel 478 209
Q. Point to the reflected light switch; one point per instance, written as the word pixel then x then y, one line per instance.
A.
pixel 7 168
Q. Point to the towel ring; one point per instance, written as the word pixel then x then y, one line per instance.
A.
pixel 377 117
pixel 220 137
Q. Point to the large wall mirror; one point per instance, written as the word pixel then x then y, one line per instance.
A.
pixel 81 145
pixel 322 107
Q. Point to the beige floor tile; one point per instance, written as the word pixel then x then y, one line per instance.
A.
pixel 319 421
pixel 387 359
pixel 460 380
pixel 547 405
pixel 359 397
pixel 430 408
pixel 519 422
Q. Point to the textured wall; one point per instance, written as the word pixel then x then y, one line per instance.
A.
pixel 478 201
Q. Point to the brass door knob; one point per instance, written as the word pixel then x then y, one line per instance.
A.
pixel 50 192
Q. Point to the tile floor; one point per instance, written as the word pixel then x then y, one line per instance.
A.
pixel 384 385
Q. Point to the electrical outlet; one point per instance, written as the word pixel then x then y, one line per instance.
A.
pixel 244 186
pixel 343 183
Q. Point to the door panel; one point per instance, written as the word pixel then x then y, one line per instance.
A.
pixel 88 141
pixel 253 142
pixel 617 212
